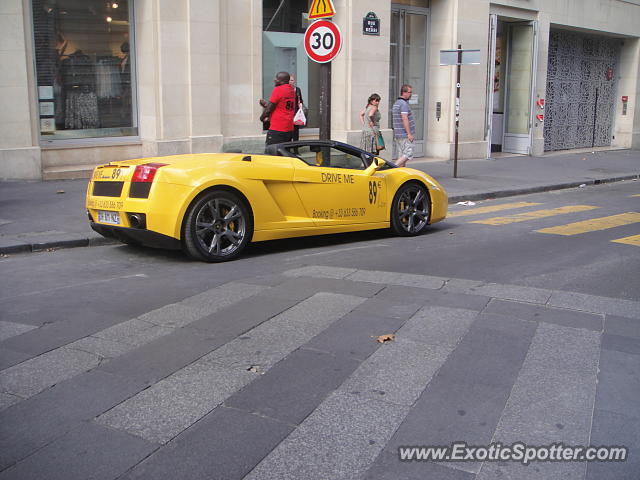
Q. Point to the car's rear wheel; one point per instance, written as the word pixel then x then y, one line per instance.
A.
pixel 410 210
pixel 217 227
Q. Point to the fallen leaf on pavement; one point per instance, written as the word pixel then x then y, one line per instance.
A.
pixel 386 338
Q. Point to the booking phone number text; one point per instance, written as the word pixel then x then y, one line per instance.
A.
pixel 348 212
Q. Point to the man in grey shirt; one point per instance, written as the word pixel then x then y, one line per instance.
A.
pixel 404 127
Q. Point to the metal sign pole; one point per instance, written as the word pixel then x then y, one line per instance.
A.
pixel 322 42
pixel 458 58
pixel 455 151
pixel 325 101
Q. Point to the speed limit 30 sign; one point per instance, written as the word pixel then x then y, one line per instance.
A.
pixel 322 41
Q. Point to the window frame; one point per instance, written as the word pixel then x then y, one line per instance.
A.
pixel 345 150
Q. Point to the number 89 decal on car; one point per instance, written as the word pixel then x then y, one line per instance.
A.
pixel 212 205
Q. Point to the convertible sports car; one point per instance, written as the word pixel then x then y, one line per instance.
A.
pixel 213 204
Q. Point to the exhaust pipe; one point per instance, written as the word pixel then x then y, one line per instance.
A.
pixel 137 220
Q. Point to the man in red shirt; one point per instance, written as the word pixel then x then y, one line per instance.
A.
pixel 280 110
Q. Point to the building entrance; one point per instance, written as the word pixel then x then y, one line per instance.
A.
pixel 512 64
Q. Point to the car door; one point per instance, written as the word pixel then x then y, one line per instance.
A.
pixel 335 189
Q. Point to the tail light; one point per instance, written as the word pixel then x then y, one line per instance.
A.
pixel 142 178
pixel 146 172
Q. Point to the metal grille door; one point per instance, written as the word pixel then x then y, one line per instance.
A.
pixel 581 88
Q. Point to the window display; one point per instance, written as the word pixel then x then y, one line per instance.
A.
pixel 84 68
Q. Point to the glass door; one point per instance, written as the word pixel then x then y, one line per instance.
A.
pixel 408 64
pixel 520 87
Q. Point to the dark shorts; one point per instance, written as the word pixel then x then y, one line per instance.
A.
pixel 274 136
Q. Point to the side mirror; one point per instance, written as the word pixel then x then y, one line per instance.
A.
pixel 376 164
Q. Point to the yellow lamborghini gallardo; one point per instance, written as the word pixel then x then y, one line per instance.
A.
pixel 213 204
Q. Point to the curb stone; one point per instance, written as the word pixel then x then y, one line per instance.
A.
pixel 21 246
pixel 538 188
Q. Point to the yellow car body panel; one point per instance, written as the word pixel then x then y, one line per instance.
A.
pixel 286 196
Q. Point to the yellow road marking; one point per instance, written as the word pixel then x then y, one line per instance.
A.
pixel 523 217
pixel 633 240
pixel 635 195
pixel 594 224
pixel 492 208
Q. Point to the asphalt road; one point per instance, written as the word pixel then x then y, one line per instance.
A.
pixel 517 319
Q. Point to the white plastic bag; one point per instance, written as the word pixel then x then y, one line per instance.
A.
pixel 299 118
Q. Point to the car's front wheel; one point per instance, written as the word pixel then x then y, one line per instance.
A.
pixel 217 227
pixel 410 210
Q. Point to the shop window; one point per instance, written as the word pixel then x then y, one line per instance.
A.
pixel 84 68
pixel 284 24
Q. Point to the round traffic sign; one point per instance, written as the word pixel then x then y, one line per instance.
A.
pixel 322 41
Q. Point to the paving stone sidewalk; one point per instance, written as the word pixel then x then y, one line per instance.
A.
pixel 298 387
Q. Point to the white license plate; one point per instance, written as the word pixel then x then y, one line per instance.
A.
pixel 105 216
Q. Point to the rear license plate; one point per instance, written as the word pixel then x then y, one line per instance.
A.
pixel 105 216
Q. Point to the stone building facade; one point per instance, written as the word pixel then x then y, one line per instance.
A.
pixel 90 81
